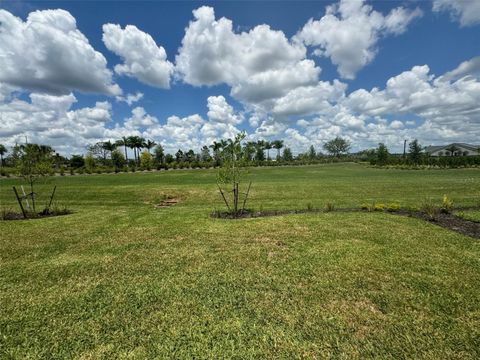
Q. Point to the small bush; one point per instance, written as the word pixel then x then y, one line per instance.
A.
pixel 329 207
pixel 365 206
pixel 146 161
pixel 447 205
pixel 374 206
pixel 59 209
pixel 392 207
pixel 379 207
pixel 371 207
pixel 430 209
pixel 309 207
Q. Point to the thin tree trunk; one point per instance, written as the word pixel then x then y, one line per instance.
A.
pixel 235 199
pixel 126 156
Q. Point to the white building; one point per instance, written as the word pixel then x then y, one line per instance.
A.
pixel 455 149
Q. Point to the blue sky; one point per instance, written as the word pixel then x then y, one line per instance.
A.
pixel 410 51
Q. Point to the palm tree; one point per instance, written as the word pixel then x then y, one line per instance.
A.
pixel 249 150
pixel 3 151
pixel 131 145
pixel 136 143
pixel 109 146
pixel 141 143
pixel 123 142
pixel 149 144
pixel 260 148
pixel 268 146
pixel 277 144
pixel 224 144
pixel 216 147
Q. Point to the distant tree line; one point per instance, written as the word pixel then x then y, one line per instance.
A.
pixel 416 156
pixel 113 156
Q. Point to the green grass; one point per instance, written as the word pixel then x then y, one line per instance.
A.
pixel 120 279
pixel 473 215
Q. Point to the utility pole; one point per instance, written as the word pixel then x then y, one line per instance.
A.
pixel 404 147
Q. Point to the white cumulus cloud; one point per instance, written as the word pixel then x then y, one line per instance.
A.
pixel 348 33
pixel 222 112
pixel 47 53
pixel 49 119
pixel 143 59
pixel 258 65
pixel 130 98
pixel 140 119
pixel 467 12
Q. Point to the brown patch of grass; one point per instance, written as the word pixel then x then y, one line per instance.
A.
pixel 360 316
pixel 166 203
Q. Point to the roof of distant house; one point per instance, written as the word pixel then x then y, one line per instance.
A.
pixel 434 148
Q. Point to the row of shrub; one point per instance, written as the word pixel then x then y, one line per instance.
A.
pixel 429 207
pixel 99 169
pixel 394 162
pixel 429 162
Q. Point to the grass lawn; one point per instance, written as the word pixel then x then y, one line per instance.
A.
pixel 473 215
pixel 120 279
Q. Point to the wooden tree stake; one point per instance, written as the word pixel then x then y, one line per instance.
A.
pixel 51 199
pixel 246 196
pixel 20 202
pixel 223 196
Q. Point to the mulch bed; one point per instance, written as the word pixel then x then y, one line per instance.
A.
pixel 19 216
pixel 451 222
pixel 248 214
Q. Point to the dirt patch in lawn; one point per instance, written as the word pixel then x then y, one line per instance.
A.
pixel 166 203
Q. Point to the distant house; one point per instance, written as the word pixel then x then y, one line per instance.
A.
pixel 455 149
